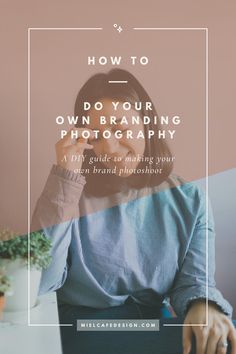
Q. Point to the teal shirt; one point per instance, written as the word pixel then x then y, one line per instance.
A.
pixel 148 244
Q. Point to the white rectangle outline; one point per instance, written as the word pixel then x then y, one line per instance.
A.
pixel 206 166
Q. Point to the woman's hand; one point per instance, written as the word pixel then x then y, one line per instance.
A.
pixel 69 151
pixel 211 339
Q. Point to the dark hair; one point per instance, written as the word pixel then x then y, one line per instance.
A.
pixel 98 87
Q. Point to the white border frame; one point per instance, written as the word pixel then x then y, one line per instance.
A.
pixel 205 29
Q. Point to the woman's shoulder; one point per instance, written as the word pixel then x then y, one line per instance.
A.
pixel 176 187
pixel 174 190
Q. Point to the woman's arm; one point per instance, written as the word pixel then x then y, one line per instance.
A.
pixel 195 278
pixel 54 214
pixel 195 284
pixel 58 207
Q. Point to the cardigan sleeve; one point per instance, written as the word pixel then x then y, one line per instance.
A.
pixel 54 215
pixel 195 278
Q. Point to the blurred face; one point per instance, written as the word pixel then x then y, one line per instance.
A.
pixel 122 152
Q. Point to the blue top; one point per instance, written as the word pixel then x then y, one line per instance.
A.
pixel 148 244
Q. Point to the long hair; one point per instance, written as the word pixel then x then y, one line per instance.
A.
pixel 98 87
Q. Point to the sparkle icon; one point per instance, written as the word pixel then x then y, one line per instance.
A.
pixel 118 28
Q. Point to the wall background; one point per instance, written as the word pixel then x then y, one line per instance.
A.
pixel 16 17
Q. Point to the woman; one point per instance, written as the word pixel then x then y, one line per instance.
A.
pixel 125 239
